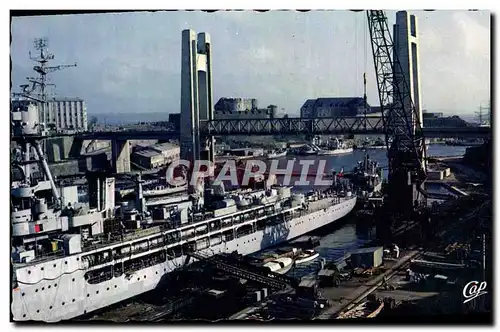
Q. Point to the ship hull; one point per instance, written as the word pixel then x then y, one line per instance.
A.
pixel 335 152
pixel 64 294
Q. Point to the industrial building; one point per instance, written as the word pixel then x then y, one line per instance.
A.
pixel 334 107
pixel 148 159
pixel 243 108
pixel 156 155
pixel 169 151
pixel 64 113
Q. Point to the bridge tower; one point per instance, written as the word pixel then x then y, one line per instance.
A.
pixel 406 50
pixel 397 73
pixel 196 95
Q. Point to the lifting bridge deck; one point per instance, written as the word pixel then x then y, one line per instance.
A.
pixel 370 125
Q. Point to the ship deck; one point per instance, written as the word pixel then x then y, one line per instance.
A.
pixel 107 240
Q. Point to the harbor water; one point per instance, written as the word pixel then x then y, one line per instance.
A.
pixel 343 236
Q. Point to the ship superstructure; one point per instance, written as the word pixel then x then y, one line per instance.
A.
pixel 94 269
pixel 70 257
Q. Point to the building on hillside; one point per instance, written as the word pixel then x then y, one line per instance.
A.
pixel 242 108
pixel 64 114
pixel 333 107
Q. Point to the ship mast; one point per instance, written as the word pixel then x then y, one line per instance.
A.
pixel 39 84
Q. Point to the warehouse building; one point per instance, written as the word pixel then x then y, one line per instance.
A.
pixel 169 151
pixel 148 159
pixel 334 107
pixel 242 108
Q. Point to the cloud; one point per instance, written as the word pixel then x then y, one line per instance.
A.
pixel 130 62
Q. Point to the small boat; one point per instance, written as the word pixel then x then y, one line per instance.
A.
pixel 277 154
pixel 306 256
pixel 280 265
pixel 368 309
pixel 335 152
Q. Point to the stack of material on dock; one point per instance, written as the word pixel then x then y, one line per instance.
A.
pixel 366 309
pixel 367 257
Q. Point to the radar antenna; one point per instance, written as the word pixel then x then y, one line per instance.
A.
pixel 38 89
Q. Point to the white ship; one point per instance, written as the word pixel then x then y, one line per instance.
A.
pixel 70 258
pixel 276 154
pixel 337 147
pixel 99 271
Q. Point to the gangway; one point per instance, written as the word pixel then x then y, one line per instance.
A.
pixel 262 276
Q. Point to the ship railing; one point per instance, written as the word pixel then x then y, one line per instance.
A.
pixel 44 257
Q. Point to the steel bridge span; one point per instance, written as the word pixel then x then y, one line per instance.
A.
pixel 290 126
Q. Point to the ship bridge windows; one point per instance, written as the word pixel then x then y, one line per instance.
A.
pixel 227 222
pixel 244 230
pixel 215 239
pixel 228 235
pixel 143 262
pixel 172 237
pixel 140 246
pixel 174 252
pixel 189 247
pixel 261 224
pixel 202 243
pixel 100 275
pixel 201 230
pixel 156 242
pixel 97 258
pixel 238 219
pixel 121 252
pixel 187 233
pixel 118 270
pixel 215 225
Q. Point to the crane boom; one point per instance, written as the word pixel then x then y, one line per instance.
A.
pixel 403 130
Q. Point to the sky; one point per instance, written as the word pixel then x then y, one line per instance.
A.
pixel 130 62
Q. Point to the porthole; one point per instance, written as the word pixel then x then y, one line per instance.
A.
pixel 138 279
pixel 36 290
pixel 41 268
pixel 55 285
pixel 22 294
pixel 97 292
pixel 65 262
pixel 43 288
pixel 63 303
pixel 88 295
pixel 107 288
pixel 116 286
pixel 144 277
pixel 54 265
pixel 24 315
pixel 50 307
pixel 73 300
pixel 29 272
pixel 73 279
pixel 164 270
pixel 38 311
pixel 78 258
pixel 156 272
